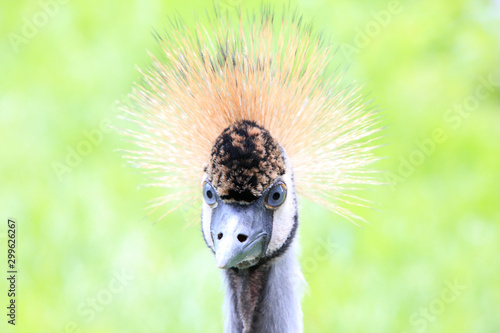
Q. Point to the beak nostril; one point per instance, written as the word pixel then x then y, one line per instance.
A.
pixel 219 235
pixel 242 238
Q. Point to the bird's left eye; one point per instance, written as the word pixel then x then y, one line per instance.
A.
pixel 276 196
pixel 209 194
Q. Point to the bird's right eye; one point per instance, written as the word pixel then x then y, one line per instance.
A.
pixel 209 194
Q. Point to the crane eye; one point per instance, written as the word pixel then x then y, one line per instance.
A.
pixel 276 196
pixel 209 194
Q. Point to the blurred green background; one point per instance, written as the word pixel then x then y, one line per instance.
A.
pixel 91 260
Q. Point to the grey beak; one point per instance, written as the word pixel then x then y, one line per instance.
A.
pixel 240 233
pixel 231 250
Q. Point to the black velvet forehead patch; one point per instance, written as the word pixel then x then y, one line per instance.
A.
pixel 245 160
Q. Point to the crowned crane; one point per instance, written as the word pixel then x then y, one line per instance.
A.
pixel 237 117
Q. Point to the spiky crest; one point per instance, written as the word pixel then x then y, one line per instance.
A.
pixel 260 69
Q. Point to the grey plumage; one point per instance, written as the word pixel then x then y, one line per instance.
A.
pixel 278 309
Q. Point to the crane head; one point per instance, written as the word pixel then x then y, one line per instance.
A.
pixel 249 209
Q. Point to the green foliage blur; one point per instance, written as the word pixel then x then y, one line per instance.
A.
pixel 89 257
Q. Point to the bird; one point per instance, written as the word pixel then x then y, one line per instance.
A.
pixel 241 117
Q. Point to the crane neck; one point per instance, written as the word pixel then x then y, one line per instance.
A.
pixel 266 297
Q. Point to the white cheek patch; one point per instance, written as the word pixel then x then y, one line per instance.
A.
pixel 283 219
pixel 206 221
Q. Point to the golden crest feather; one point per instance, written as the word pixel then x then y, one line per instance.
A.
pixel 261 69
